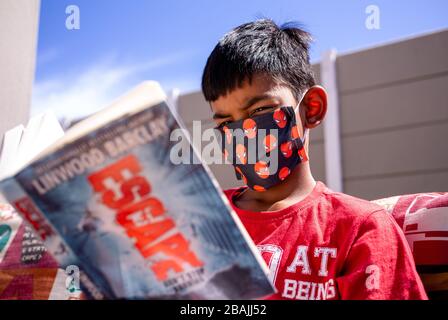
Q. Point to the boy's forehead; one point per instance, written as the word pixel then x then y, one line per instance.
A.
pixel 259 86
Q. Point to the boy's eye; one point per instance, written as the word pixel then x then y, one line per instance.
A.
pixel 260 110
pixel 222 124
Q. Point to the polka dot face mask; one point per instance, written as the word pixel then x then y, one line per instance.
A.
pixel 265 148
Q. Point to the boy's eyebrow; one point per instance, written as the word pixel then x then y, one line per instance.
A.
pixel 256 99
pixel 251 101
pixel 219 116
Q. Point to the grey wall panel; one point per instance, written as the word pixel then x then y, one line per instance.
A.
pixel 399 61
pixel 399 151
pixel 200 127
pixel 317 133
pixel 193 106
pixel 404 104
pixel 317 160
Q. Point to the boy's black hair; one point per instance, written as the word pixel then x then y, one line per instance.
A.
pixel 259 47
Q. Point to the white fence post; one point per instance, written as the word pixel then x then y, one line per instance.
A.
pixel 332 134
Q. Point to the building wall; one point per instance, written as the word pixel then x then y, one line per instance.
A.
pixel 18 34
pixel 394 119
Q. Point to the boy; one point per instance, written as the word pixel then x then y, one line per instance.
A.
pixel 318 244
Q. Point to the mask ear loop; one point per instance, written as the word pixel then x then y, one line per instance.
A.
pixel 306 130
pixel 305 135
pixel 302 153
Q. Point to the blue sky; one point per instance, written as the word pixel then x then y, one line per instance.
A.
pixel 121 43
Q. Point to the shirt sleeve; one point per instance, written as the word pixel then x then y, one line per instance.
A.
pixel 379 264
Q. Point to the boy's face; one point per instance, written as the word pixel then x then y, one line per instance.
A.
pixel 255 107
pixel 261 95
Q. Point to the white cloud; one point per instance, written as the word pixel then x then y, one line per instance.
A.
pixel 78 94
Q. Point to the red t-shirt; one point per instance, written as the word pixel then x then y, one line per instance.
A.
pixel 333 246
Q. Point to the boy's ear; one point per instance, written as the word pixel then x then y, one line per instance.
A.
pixel 315 103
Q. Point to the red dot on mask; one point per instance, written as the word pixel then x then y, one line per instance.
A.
pixel 286 149
pixel 270 142
pixel 302 154
pixel 283 173
pixel 294 132
pixel 228 134
pixel 241 153
pixel 279 118
pixel 250 128
pixel 261 168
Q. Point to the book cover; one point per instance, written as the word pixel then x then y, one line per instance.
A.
pixel 112 203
